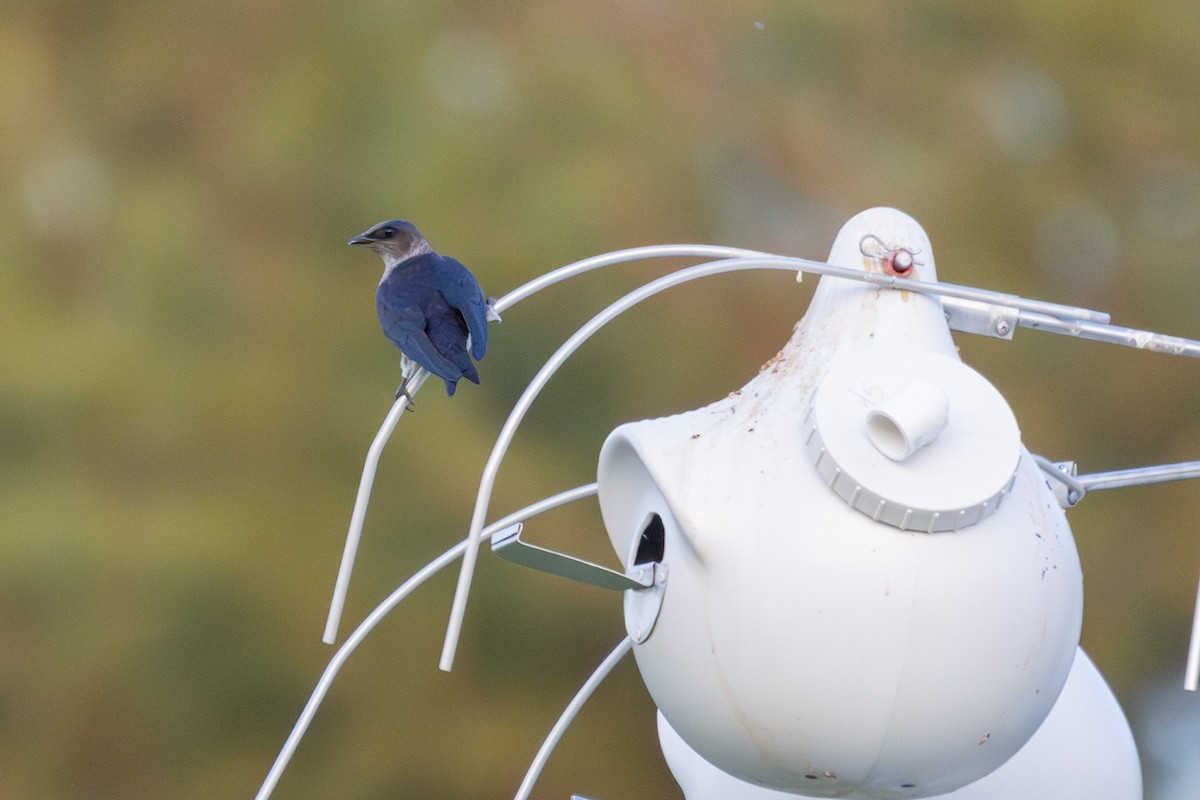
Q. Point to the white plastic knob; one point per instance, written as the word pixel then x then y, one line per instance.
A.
pixel 908 420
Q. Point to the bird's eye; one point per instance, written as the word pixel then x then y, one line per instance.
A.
pixel 387 233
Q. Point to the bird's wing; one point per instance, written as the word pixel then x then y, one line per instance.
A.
pixel 404 325
pixel 462 292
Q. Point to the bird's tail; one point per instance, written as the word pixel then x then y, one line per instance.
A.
pixel 470 373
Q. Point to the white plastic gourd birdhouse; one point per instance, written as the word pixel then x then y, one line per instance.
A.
pixel 873 591
pixel 848 578
pixel 1083 751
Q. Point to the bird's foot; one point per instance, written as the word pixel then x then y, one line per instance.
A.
pixel 402 391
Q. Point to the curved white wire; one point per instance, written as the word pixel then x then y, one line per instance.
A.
pixel 568 716
pixel 357 517
pixel 1050 313
pixel 617 257
pixel 1191 675
pixel 382 610
pixel 342 585
pixel 504 439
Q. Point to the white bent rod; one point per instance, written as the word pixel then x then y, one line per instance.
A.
pixel 488 479
pixel 382 610
pixel 568 716
pixel 360 507
pixel 358 516
pixel 1052 311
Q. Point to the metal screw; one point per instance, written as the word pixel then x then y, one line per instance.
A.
pixel 1002 327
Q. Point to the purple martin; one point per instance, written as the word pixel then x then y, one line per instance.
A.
pixel 430 306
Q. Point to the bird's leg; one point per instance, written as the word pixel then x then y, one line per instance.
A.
pixel 408 368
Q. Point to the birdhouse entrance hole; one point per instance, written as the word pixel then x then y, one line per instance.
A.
pixel 653 541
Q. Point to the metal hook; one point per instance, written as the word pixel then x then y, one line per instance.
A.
pixel 883 248
pixel 885 251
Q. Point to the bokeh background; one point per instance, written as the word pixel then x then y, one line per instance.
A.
pixel 191 370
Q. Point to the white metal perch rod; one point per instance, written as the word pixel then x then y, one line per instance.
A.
pixel 1191 679
pixel 382 610
pixel 508 431
pixel 358 516
pixel 1070 320
pixel 1052 317
pixel 342 586
pixel 568 716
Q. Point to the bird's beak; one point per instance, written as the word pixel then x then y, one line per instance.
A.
pixel 362 238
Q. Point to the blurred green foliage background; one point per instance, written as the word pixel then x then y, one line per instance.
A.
pixel 191 370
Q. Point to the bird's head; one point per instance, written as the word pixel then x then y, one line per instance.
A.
pixel 394 240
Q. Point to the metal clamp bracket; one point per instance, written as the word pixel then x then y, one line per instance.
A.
pixel 508 545
pixel 1070 487
pixel 1063 479
pixel 980 318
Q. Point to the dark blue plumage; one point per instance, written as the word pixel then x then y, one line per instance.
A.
pixel 430 305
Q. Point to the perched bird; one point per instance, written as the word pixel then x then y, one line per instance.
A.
pixel 430 305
